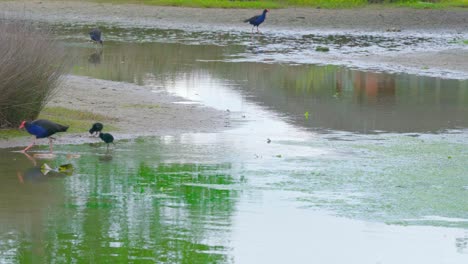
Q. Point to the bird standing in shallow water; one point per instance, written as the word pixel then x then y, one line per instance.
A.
pixel 257 20
pixel 42 128
pixel 95 36
pixel 106 137
pixel 96 129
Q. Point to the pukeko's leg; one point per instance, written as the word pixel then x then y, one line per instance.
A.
pixel 30 158
pixel 20 177
pixel 50 144
pixel 30 146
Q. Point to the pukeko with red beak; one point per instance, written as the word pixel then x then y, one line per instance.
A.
pixel 96 129
pixel 257 20
pixel 42 128
pixel 106 137
pixel 95 36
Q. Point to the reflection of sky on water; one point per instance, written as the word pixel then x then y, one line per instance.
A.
pixel 336 98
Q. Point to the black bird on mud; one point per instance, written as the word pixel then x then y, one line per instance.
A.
pixel 257 20
pixel 96 129
pixel 42 128
pixel 95 35
pixel 106 137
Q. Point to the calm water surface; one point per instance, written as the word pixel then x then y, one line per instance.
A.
pixel 361 167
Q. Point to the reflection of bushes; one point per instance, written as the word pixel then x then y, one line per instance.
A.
pixel 30 67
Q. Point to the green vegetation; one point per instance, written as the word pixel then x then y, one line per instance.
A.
pixel 10 133
pixel 79 121
pixel 322 49
pixel 201 3
pixel 434 4
pixel 244 4
pixel 142 106
pixel 286 3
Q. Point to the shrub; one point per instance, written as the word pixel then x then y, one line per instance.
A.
pixel 31 64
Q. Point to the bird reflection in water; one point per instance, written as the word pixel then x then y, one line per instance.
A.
pixel 43 172
pixel 95 57
pixel 106 158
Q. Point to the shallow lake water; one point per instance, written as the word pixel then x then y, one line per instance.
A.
pixel 320 164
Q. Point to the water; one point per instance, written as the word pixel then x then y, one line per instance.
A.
pixel 376 172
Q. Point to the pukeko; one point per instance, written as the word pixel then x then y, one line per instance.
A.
pixel 42 128
pixel 95 35
pixel 96 129
pixel 106 137
pixel 257 20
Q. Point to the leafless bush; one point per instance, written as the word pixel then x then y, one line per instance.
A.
pixel 31 64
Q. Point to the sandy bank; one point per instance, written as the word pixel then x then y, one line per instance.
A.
pixel 134 110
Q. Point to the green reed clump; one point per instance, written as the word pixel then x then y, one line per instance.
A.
pixel 246 3
pixel 260 4
pixel 31 64
pixel 326 3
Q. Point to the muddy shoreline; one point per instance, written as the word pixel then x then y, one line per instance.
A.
pixel 134 110
pixel 124 102
pixel 370 19
pixel 445 62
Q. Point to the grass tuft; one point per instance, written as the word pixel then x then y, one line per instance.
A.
pixel 11 133
pixel 31 64
pixel 79 121
pixel 432 4
pixel 142 106
pixel 260 4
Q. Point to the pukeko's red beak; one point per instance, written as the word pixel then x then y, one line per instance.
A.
pixel 22 125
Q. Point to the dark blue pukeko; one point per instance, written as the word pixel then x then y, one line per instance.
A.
pixel 106 137
pixel 257 20
pixel 95 36
pixel 96 129
pixel 42 128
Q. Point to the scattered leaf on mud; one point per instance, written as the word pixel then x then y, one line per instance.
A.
pixel 322 49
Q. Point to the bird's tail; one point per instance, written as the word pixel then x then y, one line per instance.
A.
pixel 63 128
pixel 247 20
